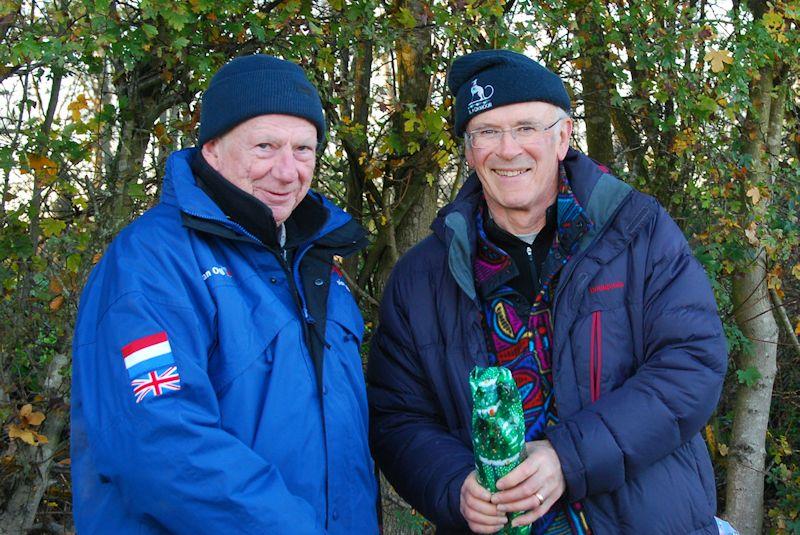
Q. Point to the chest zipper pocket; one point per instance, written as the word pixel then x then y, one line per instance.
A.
pixel 595 355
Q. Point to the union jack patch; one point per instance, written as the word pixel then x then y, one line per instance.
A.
pixel 155 383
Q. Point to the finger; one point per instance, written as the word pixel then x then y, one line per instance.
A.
pixel 472 487
pixel 484 528
pixel 526 519
pixel 527 504
pixel 523 491
pixel 484 523
pixel 481 506
pixel 534 513
pixel 526 469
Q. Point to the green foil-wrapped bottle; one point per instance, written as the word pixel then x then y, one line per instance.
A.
pixel 498 430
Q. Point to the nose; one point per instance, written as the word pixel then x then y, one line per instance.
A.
pixel 508 147
pixel 284 167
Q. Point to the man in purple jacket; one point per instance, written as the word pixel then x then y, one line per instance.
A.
pixel 588 292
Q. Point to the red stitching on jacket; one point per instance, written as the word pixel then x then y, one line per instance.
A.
pixel 606 287
pixel 595 356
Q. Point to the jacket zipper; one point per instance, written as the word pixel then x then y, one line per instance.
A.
pixel 595 355
pixel 308 324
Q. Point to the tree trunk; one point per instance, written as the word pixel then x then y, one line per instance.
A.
pixel 744 498
pixel 24 501
pixel 356 146
pixel 147 97
pixel 596 91
pixel 754 315
pixel 413 191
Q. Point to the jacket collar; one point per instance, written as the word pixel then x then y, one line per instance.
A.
pixel 595 190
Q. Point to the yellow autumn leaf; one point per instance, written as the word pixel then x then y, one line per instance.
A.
pixel 718 59
pixel 55 286
pixel 56 303
pixel 25 410
pixel 723 449
pixel 796 271
pixel 750 232
pixel 774 282
pixel 25 435
pixel 797 329
pixel 76 106
pixel 41 439
pixel 38 162
pixel 754 194
pixel 36 418
pixel 773 21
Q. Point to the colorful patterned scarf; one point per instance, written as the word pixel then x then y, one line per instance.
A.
pixel 519 335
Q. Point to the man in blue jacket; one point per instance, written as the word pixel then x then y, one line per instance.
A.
pixel 588 292
pixel 217 383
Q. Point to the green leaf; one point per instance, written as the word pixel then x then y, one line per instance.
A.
pixel 136 190
pixel 150 30
pixel 406 18
pixel 74 262
pixel 748 377
pixel 706 106
pixel 52 227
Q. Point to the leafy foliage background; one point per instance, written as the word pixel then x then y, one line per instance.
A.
pixel 96 93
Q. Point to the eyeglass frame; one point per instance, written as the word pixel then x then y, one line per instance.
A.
pixel 514 130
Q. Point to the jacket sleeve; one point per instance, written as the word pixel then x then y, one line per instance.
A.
pixel 170 456
pixel 422 460
pixel 673 392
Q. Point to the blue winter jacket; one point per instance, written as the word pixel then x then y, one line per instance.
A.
pixel 634 456
pixel 252 442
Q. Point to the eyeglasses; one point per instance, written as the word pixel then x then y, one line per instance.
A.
pixel 524 134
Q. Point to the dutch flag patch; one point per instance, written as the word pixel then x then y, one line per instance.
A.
pixel 143 358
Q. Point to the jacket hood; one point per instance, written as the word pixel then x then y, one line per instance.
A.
pixel 180 189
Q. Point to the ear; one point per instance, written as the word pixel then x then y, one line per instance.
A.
pixel 563 138
pixel 468 155
pixel 210 152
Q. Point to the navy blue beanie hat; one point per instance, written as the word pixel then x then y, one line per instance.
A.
pixel 249 86
pixel 489 79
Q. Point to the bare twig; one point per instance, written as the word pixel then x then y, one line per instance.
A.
pixel 783 318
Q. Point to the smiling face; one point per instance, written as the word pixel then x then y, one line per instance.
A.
pixel 271 157
pixel 520 181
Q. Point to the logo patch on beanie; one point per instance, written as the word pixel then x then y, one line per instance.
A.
pixel 481 97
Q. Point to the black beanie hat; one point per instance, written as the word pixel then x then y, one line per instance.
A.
pixel 249 86
pixel 489 79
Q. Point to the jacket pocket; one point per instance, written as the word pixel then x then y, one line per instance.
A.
pixel 246 336
pixel 596 355
pixel 602 352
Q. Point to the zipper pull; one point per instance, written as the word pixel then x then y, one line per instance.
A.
pixel 530 253
pixel 308 318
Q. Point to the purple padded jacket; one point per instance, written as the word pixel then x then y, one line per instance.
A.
pixel 634 456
